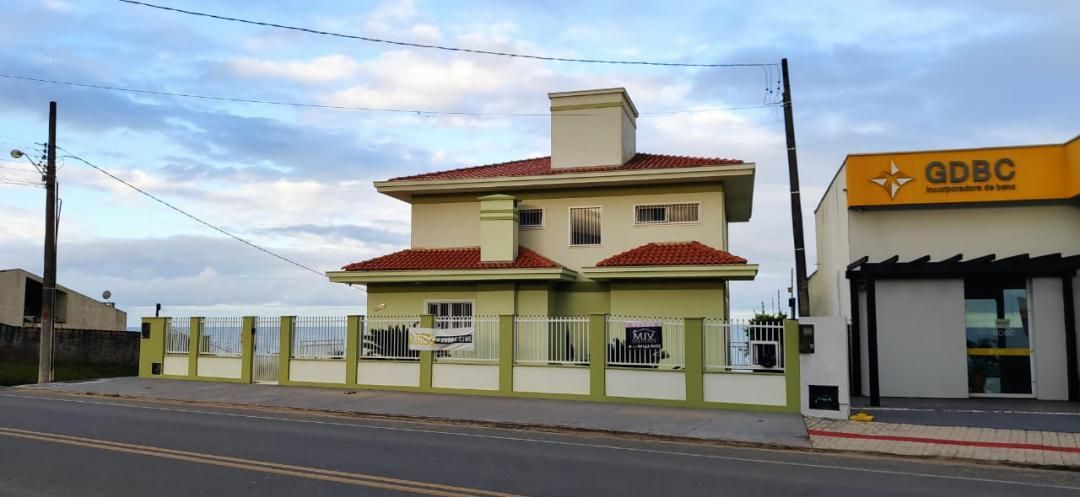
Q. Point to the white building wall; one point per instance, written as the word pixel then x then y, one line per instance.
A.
pixel 1046 311
pixel 317 371
pixel 829 288
pixel 670 385
pixel 219 367
pixel 465 376
pixel 544 379
pixel 745 388
pixel 175 365
pixel 386 373
pixel 922 350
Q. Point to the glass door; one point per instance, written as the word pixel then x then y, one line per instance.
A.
pixel 998 338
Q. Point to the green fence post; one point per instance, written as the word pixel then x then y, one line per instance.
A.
pixel 152 347
pixel 597 356
pixel 791 365
pixel 695 360
pixel 426 356
pixel 285 334
pixel 354 327
pixel 194 339
pixel 506 354
pixel 247 348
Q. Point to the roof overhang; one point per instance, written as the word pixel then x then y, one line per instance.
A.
pixel 424 276
pixel 738 182
pixel 1022 265
pixel 725 271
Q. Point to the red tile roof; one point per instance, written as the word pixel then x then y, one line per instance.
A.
pixel 540 166
pixel 464 258
pixel 672 254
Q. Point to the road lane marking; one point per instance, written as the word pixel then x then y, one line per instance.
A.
pixel 638 450
pixel 361 479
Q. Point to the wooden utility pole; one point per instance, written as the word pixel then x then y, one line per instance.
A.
pixel 48 288
pixel 796 202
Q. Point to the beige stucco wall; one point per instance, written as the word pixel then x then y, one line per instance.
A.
pixel 488 299
pixel 829 289
pixel 74 310
pixel 973 231
pixel 455 221
pixel 683 299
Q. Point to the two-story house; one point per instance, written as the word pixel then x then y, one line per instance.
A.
pixel 596 227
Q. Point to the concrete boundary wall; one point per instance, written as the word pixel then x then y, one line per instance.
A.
pixel 593 380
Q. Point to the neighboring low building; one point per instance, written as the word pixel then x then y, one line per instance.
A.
pixel 595 228
pixel 20 305
pixel 957 270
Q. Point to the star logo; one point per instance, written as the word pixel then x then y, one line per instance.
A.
pixel 892 180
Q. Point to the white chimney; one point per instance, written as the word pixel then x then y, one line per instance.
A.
pixel 592 128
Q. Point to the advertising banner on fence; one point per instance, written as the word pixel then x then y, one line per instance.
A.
pixel 644 335
pixel 441 339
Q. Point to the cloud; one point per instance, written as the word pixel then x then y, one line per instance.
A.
pixel 323 69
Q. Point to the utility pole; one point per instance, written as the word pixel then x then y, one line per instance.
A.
pixel 48 289
pixel 796 202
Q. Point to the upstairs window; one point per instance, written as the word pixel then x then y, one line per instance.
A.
pixel 531 218
pixel 667 213
pixel 584 226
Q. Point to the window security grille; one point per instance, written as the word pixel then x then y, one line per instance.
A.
pixel 531 218
pixel 584 226
pixel 666 213
pixel 451 310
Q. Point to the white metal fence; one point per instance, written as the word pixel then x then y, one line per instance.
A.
pixel 743 346
pixel 267 349
pixel 220 336
pixel 669 353
pixel 551 340
pixel 178 336
pixel 319 337
pixel 387 337
pixel 485 338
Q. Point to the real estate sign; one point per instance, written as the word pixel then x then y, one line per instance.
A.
pixel 441 339
pixel 644 335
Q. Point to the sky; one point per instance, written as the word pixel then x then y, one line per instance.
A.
pixel 866 76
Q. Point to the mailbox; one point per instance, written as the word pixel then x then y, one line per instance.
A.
pixel 806 339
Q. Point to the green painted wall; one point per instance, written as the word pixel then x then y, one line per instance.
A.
pixel 580 298
pixel 688 298
pixel 534 299
pixel 152 348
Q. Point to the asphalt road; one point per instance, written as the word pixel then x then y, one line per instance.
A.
pixel 63 445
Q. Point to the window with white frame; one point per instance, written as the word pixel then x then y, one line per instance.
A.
pixel 531 218
pixel 667 213
pixel 584 226
pixel 451 313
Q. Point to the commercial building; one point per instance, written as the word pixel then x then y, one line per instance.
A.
pixel 956 269
pixel 20 305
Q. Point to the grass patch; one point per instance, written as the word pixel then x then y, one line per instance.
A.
pixel 22 372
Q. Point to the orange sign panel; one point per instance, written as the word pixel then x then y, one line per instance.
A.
pixel 1044 172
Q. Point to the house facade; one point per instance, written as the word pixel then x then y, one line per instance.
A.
pixel 594 228
pixel 20 305
pixel 956 271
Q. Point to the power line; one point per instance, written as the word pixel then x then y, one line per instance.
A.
pixel 192 216
pixel 436 47
pixel 345 107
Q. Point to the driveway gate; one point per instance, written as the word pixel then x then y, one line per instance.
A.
pixel 267 348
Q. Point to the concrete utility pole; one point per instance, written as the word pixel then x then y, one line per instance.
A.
pixel 796 203
pixel 48 288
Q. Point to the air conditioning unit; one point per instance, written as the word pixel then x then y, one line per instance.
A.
pixel 765 354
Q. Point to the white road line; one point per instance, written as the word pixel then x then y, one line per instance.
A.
pixel 561 443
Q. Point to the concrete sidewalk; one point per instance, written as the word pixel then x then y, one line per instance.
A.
pixel 782 430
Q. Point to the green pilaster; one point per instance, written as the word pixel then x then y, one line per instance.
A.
pixel 247 348
pixel 791 365
pixel 352 347
pixel 285 334
pixel 426 356
pixel 695 360
pixel 597 356
pixel 194 337
pixel 152 348
pixel 506 354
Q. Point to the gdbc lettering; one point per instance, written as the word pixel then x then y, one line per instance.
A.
pixel 958 176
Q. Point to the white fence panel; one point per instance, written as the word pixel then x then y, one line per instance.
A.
pixel 485 338
pixel 178 336
pixel 671 355
pixel 319 337
pixel 743 346
pixel 551 340
pixel 387 338
pixel 220 336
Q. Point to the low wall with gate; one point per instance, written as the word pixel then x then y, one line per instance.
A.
pixel 691 362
